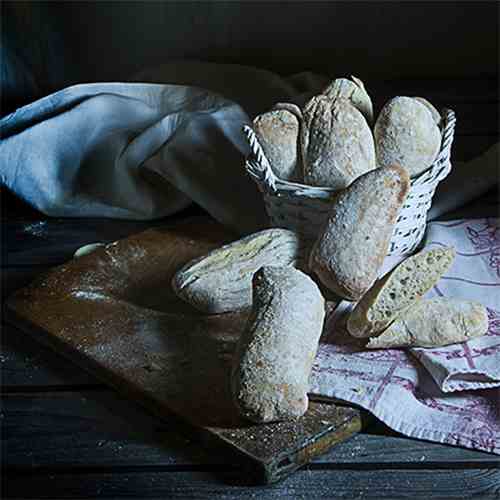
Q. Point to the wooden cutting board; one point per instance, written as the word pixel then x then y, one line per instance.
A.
pixel 113 313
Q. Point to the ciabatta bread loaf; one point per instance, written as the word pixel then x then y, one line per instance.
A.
pixel 406 134
pixel 435 323
pixel 353 243
pixel 275 354
pixel 221 281
pixel 354 91
pixel 398 290
pixel 278 132
pixel 336 143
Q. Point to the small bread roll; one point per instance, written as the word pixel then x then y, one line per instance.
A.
pixel 275 354
pixel 349 251
pixel 406 134
pixel 435 323
pixel 336 142
pixel 398 290
pixel 221 281
pixel 354 91
pixel 278 132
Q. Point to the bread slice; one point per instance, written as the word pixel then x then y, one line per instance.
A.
pixel 352 245
pixel 398 290
pixel 435 323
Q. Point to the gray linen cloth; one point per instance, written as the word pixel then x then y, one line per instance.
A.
pixel 141 150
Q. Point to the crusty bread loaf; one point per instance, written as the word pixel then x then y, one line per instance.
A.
pixel 354 91
pixel 275 354
pixel 221 281
pixel 436 115
pixel 353 243
pixel 434 323
pixel 398 290
pixel 278 132
pixel 406 134
pixel 336 143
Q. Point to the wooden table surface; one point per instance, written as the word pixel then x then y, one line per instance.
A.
pixel 65 435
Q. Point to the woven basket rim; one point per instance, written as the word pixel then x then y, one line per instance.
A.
pixel 259 168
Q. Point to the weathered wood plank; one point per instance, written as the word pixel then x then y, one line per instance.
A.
pixel 13 278
pixel 28 365
pixel 102 429
pixel 232 484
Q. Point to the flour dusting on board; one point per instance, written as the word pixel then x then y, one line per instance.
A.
pixel 36 228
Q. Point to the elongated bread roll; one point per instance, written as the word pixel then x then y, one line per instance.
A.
pixel 434 323
pixel 406 134
pixel 221 281
pixel 336 143
pixel 398 290
pixel 278 132
pixel 353 244
pixel 275 353
pixel 354 91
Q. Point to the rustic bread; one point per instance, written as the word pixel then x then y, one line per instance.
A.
pixel 354 91
pixel 221 281
pixel 398 290
pixel 336 143
pixel 278 132
pixel 275 354
pixel 435 323
pixel 406 134
pixel 353 243
pixel 436 115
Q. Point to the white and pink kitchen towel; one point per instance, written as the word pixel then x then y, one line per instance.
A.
pixel 448 394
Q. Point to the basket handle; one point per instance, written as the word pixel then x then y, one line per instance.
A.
pixel 257 164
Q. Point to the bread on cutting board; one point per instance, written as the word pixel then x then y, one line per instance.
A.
pixel 275 353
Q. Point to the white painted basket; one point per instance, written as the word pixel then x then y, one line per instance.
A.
pixel 304 208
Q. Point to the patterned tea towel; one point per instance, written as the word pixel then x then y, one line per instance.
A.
pixel 448 394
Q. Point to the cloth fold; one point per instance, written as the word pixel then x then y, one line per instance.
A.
pixel 131 151
pixel 449 394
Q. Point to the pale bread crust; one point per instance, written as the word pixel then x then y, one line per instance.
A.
pixel 406 134
pixel 354 91
pixel 336 143
pixel 436 115
pixel 398 290
pixel 275 354
pixel 434 323
pixel 221 281
pixel 278 134
pixel 353 243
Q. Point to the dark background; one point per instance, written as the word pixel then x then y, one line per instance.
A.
pixel 48 45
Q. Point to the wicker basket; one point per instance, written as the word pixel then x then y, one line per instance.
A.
pixel 304 208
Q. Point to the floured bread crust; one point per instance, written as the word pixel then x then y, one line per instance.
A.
pixel 275 353
pixel 353 243
pixel 435 323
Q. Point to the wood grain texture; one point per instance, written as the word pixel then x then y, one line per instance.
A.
pixel 305 484
pixel 103 429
